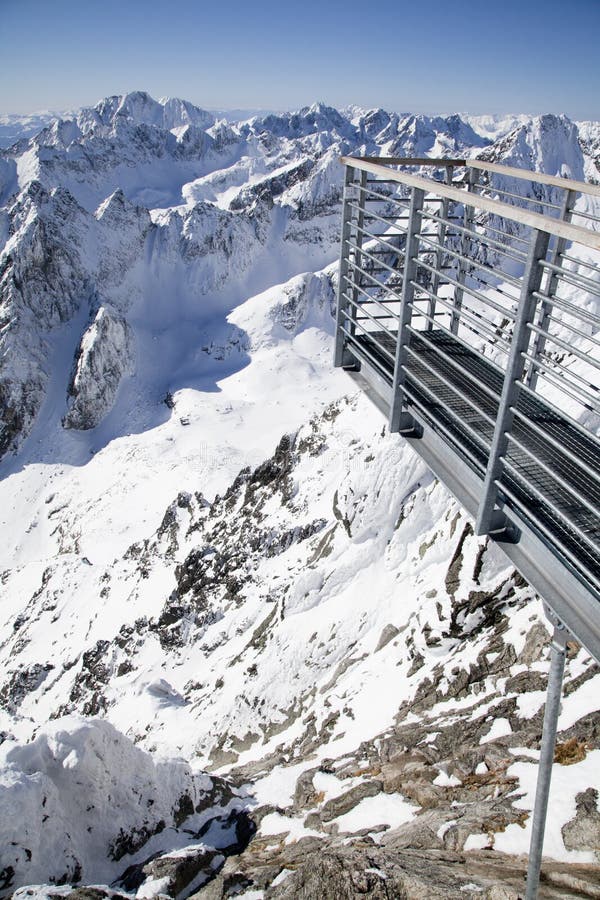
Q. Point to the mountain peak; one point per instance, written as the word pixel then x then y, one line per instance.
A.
pixel 139 108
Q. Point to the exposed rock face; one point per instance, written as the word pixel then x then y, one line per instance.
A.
pixel 105 355
pixel 43 281
pixel 583 832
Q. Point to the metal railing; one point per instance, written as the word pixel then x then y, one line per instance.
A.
pixel 469 309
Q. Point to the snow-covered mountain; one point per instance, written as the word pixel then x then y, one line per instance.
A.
pixel 213 550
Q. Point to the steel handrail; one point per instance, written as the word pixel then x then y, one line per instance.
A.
pixel 557 227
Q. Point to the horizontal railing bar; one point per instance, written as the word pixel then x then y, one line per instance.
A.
pixel 534 220
pixel 495 190
pixel 550 535
pixel 370 335
pixel 572 278
pixel 377 363
pixel 385 198
pixel 364 293
pixel 446 381
pixel 439 402
pixel 494 287
pixel 567 184
pixel 545 435
pixel 558 512
pixel 555 409
pixel 375 281
pixel 380 239
pixel 374 216
pixel 585 215
pixel 480 238
pixel 574 351
pixel 379 181
pixel 588 337
pixel 588 401
pixel 417 314
pixel 389 218
pixel 367 313
pixel 579 262
pixel 568 307
pixel 375 259
pixel 383 318
pixel 506 234
pixel 511 279
pixel 553 474
pixel 469 290
pixel 472 316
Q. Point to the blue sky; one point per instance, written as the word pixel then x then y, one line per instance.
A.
pixel 512 56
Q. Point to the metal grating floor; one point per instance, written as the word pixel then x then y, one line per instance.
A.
pixel 433 380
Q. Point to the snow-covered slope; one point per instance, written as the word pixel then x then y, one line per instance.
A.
pixel 210 544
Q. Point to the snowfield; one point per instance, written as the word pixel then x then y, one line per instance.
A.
pixel 249 644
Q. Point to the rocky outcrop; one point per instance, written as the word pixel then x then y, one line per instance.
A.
pixel 43 284
pixel 583 832
pixel 105 355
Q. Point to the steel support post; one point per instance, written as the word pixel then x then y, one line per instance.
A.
pixel 490 519
pixel 341 355
pixel 400 420
pixel 553 696
pixel 464 251
pixel 439 253
pixel 549 289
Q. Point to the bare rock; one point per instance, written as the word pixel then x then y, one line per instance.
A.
pixel 337 806
pixel 583 832
pixel 183 871
pixel 388 634
pixel 105 355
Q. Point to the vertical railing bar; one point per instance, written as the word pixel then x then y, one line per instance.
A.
pixel 549 289
pixel 340 356
pixel 441 235
pixel 489 519
pixel 400 420
pixel 465 240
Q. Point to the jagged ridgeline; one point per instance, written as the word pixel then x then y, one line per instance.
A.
pixel 215 560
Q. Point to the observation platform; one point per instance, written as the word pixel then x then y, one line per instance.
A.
pixel 469 311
